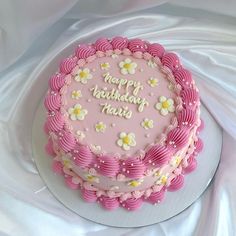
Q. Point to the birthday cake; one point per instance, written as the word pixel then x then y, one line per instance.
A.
pixel 123 118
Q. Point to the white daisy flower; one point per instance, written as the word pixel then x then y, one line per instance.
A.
pixel 80 134
pixel 163 179
pixel 100 127
pixel 66 162
pixel 76 94
pixel 165 105
pixel 152 64
pixel 147 124
pixel 92 178
pixel 127 66
pixel 126 140
pixel 77 112
pixel 105 66
pixel 175 161
pixel 83 75
pixel 153 82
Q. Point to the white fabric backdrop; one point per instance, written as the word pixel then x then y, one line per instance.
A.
pixel 205 39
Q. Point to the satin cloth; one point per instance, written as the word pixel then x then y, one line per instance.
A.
pixel 205 40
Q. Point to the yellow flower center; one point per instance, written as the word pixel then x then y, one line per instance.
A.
pixel 177 160
pixel 134 183
pixel 153 82
pixel 83 74
pixel 146 123
pixel 104 65
pixel 90 178
pixel 165 104
pixel 127 66
pixel 126 140
pixel 76 94
pixel 163 179
pixel 99 126
pixel 77 111
pixel 66 163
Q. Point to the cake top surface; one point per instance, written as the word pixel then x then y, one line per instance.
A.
pixel 119 103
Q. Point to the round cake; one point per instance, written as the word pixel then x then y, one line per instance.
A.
pixel 123 118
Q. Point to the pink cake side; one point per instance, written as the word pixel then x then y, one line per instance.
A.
pixel 123 175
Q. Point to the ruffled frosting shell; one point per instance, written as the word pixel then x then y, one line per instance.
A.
pixel 190 97
pixel 177 138
pixel 171 60
pixel 183 77
pixel 156 50
pixel 108 166
pixel 132 204
pixel 186 117
pixel 109 203
pixel 157 156
pixel 55 122
pixel 68 64
pixel 84 51
pixel 137 45
pixel 156 197
pixel 89 195
pixel 133 168
pixel 66 142
pixel 103 45
pixel 57 81
pixel 119 43
pixel 192 165
pixel 52 102
pixel 82 156
pixel 176 183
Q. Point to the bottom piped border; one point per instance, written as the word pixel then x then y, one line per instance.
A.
pixel 90 195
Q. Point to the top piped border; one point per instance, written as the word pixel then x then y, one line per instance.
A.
pixel 158 154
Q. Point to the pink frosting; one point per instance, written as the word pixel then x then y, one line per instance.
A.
pixel 171 60
pixel 136 45
pixel 55 122
pixel 49 148
pixel 89 195
pixel 57 81
pixel 186 118
pixel 66 141
pixel 198 146
pixel 190 97
pixel 157 155
pixel 84 51
pixel 192 165
pixel 183 77
pixel 119 43
pixel 52 102
pixel 57 167
pixel 132 204
pixel 177 138
pixel 176 183
pixel 82 156
pixel 156 197
pixel 109 203
pixel 68 64
pixel 201 127
pixel 70 184
pixel 103 45
pixel 133 167
pixel 108 166
pixel 156 50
